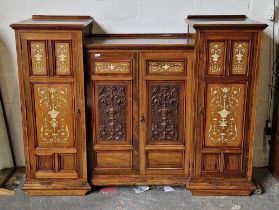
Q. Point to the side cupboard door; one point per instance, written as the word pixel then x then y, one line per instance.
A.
pixel 53 88
pixel 226 103
pixel 114 113
pixel 165 113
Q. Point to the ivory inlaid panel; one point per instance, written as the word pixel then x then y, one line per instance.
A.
pixel 63 58
pixel 112 67
pixel 216 58
pixel 224 115
pixel 54 114
pixel 166 67
pixel 38 58
pixel 240 57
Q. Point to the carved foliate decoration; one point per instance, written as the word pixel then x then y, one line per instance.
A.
pixel 240 57
pixel 224 113
pixel 54 108
pixel 38 58
pixel 164 108
pixel 112 67
pixel 63 58
pixel 112 108
pixel 216 58
pixel 161 67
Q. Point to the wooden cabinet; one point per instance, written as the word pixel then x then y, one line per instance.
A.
pixel 160 109
pixel 141 106
pixel 53 112
pixel 227 73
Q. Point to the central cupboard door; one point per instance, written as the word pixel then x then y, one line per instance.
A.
pixel 165 112
pixel 141 111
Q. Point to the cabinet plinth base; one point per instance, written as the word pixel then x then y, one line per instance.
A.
pixel 101 180
pixel 212 187
pixel 56 187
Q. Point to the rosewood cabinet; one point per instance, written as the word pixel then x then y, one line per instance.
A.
pixel 145 109
pixel 141 104
pixel 227 64
pixel 50 62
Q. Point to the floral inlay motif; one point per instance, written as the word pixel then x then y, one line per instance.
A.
pixel 38 58
pixel 112 67
pixel 216 57
pixel 54 104
pixel 224 113
pixel 62 52
pixel 166 67
pixel 240 57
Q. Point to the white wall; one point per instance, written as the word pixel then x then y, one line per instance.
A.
pixel 126 16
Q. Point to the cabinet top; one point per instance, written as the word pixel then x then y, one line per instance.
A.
pixel 139 41
pixel 223 22
pixel 54 22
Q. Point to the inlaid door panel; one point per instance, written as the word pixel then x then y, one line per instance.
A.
pixel 54 118
pixel 225 105
pixel 165 113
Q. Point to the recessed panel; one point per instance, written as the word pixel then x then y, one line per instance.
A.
pixel 54 115
pixel 210 163
pixel 67 162
pixel 62 58
pixel 224 124
pixel 165 159
pixel 45 162
pixel 240 57
pixel 113 160
pixel 113 112
pixel 233 162
pixel 216 58
pixel 165 110
pixel 38 53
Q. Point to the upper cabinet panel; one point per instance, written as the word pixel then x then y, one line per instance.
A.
pixel 216 58
pixel 240 57
pixel 62 58
pixel 38 57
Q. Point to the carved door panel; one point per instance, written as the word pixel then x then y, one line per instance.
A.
pixel 223 103
pixel 54 115
pixel 114 113
pixel 165 112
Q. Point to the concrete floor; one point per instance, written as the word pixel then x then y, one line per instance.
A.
pixel 126 199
